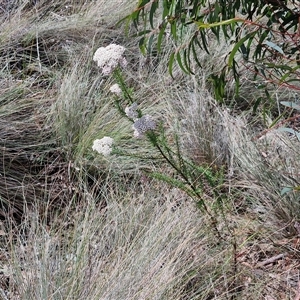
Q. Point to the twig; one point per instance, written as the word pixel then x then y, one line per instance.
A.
pixel 271 260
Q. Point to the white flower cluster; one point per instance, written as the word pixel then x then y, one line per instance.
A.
pixel 142 125
pixel 131 111
pixel 103 146
pixel 115 89
pixel 108 58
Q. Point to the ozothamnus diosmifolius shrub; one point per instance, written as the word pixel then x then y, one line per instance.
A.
pixel 196 181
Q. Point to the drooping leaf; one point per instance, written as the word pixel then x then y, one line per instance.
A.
pixel 178 59
pixel 187 61
pixel 160 37
pixel 286 190
pixel 290 104
pixel 142 45
pixel 150 43
pixel 174 29
pixel 170 63
pixel 289 130
pixel 153 9
pixel 237 46
pixel 256 104
pixel 290 73
pixel 274 46
pixel 195 56
pixel 204 41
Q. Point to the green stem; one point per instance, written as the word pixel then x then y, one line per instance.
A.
pixel 194 189
pixel 120 80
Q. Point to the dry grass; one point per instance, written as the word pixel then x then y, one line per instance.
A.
pixel 77 226
pixel 138 247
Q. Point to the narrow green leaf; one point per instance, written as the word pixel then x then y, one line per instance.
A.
pixel 195 9
pixel 150 43
pixel 245 52
pixel 274 66
pixel 204 42
pixel 293 80
pixel 256 104
pixel 187 61
pixel 195 53
pixel 165 9
pixel 262 36
pixel 268 95
pixel 127 18
pixel 217 24
pixel 170 64
pixel 172 181
pixel 160 37
pixel 142 46
pixel 276 121
pixel 260 85
pixel 174 29
pixel 285 76
pixel 178 59
pixel 238 45
pixel 153 9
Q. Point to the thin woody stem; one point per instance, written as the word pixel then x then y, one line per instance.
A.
pixel 194 189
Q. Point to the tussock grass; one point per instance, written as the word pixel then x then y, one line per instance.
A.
pixel 139 246
pixel 24 146
pixel 76 225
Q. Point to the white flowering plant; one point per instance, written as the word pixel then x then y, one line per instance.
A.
pixel 190 177
pixel 103 146
pixel 109 58
pixel 115 89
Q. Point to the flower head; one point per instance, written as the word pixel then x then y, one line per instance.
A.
pixel 142 125
pixel 131 111
pixel 115 89
pixel 108 58
pixel 103 146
